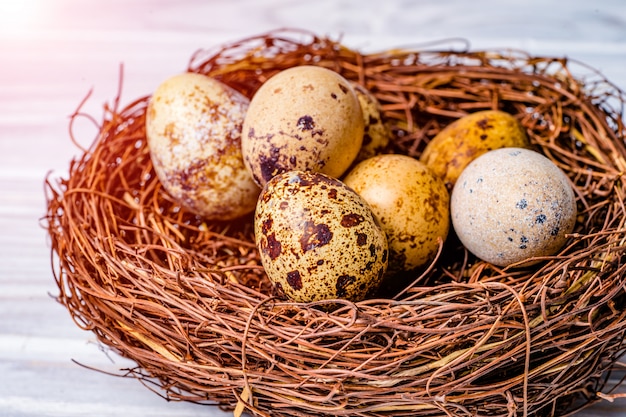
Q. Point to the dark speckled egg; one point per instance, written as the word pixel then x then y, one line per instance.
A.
pixel 318 239
pixel 304 118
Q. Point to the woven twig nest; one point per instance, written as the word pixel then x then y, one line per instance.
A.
pixel 188 300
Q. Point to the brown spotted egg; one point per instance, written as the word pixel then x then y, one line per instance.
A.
pixel 318 239
pixel 513 204
pixel 303 118
pixel 193 129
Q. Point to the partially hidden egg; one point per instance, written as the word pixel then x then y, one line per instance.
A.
pixel 193 129
pixel 376 133
pixel 318 239
pixel 411 203
pixel 513 204
pixel 468 137
pixel 304 118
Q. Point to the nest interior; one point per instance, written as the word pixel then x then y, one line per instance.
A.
pixel 188 301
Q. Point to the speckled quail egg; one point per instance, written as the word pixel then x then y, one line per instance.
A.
pixel 304 118
pixel 411 203
pixel 459 143
pixel 193 129
pixel 513 204
pixel 376 134
pixel 318 239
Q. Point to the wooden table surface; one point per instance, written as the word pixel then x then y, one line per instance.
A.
pixel 53 52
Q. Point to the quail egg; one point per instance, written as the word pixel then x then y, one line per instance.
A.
pixel 513 204
pixel 455 146
pixel 411 203
pixel 193 129
pixel 318 239
pixel 304 118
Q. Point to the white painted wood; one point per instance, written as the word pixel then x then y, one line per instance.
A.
pixel 52 52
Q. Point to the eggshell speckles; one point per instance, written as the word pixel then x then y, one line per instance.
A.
pixel 411 203
pixel 512 204
pixel 303 118
pixel 193 128
pixel 318 239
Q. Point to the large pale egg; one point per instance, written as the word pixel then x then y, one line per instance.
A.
pixel 304 118
pixel 193 128
pixel 411 203
pixel 318 239
pixel 512 204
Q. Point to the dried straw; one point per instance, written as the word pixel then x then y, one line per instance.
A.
pixel 189 302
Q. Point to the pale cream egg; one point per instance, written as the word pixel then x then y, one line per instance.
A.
pixel 513 204
pixel 193 129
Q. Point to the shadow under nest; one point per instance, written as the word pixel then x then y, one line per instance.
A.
pixel 189 302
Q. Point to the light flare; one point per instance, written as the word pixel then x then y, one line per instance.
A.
pixel 20 17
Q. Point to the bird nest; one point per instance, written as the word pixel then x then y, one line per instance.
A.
pixel 188 300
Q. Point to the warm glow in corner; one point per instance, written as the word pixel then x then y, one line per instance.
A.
pixel 18 17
